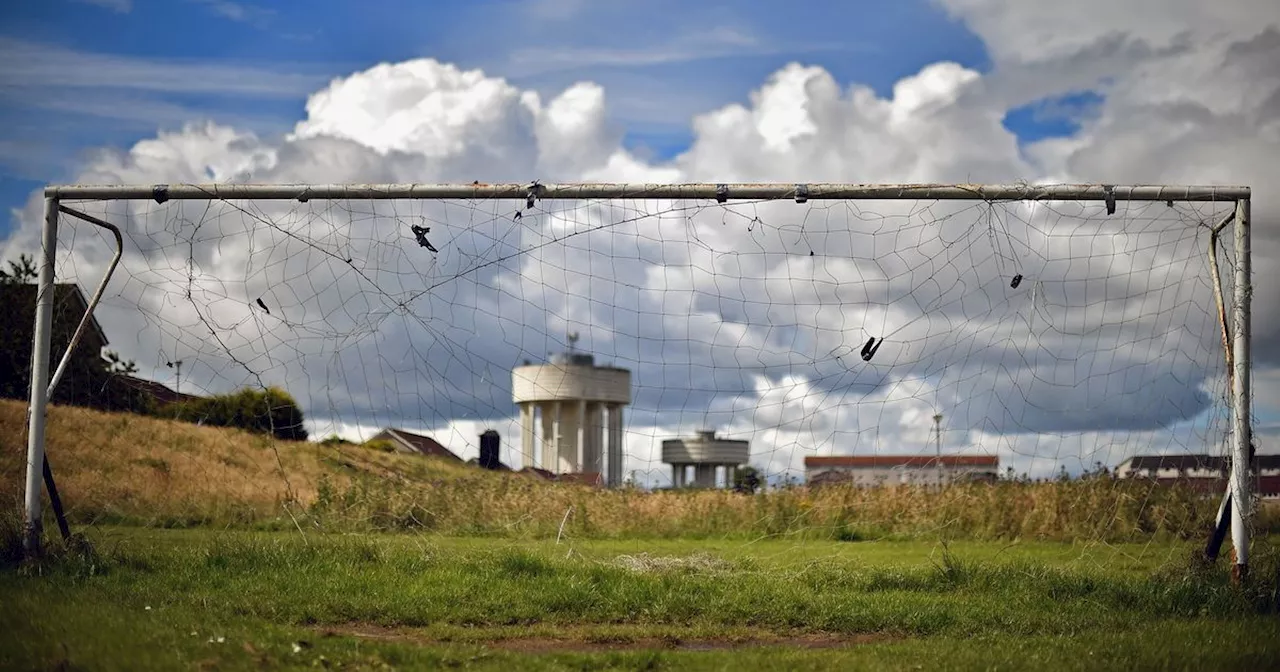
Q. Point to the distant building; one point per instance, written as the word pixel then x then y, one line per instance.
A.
pixel 1165 467
pixel 571 415
pixel 160 392
pixel 490 442
pixel 888 470
pixel 579 477
pixel 706 454
pixel 408 442
pixel 86 381
pixel 18 303
pixel 1205 473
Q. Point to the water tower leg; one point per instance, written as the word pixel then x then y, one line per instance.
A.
pixel 526 435
pixel 593 457
pixel 615 445
pixel 549 456
pixel 580 441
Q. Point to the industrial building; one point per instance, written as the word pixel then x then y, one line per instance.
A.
pixel 706 455
pixel 571 414
pixel 1204 473
pixel 881 470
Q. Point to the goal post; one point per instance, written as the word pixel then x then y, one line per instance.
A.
pixel 59 198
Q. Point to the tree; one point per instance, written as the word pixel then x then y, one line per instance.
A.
pixel 747 480
pixel 116 364
pixel 21 272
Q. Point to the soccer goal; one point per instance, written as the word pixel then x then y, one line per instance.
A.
pixel 780 340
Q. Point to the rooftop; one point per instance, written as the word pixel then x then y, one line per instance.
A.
pixel 868 461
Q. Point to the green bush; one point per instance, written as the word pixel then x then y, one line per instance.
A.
pixel 271 411
pixel 381 445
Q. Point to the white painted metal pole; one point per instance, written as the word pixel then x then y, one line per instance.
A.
pixel 97 295
pixel 1242 504
pixel 725 191
pixel 38 409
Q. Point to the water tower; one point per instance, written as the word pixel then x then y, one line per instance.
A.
pixel 705 453
pixel 571 409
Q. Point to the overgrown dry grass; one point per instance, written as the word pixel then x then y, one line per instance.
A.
pixel 140 470
pixel 124 466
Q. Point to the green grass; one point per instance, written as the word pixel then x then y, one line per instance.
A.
pixel 165 599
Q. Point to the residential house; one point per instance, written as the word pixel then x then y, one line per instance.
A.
pixel 408 442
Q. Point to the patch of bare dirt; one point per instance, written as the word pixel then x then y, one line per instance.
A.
pixel 590 642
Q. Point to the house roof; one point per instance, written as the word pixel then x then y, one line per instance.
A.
pixel 497 466
pixel 158 391
pixel 869 461
pixel 1179 462
pixel 826 477
pixel 584 478
pixel 418 443
pixel 69 306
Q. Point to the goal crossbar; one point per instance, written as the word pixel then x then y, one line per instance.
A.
pixel 691 191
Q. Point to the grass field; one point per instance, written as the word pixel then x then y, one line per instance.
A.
pixel 215 549
pixel 169 599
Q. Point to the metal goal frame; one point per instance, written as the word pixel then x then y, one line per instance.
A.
pixel 1238 336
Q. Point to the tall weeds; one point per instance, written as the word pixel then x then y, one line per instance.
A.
pixel 138 470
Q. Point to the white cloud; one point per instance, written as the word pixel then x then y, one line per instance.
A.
pixel 701 45
pixel 238 11
pixel 747 317
pixel 25 64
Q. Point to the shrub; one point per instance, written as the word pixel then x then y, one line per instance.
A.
pixel 382 445
pixel 271 411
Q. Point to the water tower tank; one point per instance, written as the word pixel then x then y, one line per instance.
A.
pixel 572 409
pixel 705 453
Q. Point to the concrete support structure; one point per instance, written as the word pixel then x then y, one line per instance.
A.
pixel 571 415
pixel 615 445
pixel 528 437
pixel 708 456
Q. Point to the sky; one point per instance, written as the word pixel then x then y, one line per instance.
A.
pixel 1109 349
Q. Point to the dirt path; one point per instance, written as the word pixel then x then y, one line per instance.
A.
pixel 584 640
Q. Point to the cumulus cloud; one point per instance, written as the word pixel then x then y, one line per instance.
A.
pixel 747 317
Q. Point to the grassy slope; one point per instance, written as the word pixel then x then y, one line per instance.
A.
pixel 118 466
pixel 125 468
pixel 162 599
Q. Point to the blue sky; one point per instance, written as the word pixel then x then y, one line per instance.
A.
pixel 83 74
pixel 79 75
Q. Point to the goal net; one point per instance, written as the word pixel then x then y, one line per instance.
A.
pixel 712 360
